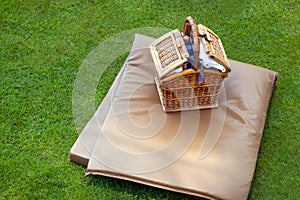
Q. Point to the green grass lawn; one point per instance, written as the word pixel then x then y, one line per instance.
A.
pixel 42 46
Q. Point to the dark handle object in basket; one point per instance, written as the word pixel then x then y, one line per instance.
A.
pixel 190 24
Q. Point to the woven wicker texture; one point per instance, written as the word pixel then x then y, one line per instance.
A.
pixel 186 93
pixel 180 91
pixel 167 52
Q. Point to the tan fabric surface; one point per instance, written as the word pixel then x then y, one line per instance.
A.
pixel 207 153
pixel 81 150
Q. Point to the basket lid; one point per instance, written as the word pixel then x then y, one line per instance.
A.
pixel 169 52
pixel 213 46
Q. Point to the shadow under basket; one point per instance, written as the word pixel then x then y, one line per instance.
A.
pixel 178 83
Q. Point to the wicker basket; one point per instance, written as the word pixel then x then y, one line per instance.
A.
pixel 184 80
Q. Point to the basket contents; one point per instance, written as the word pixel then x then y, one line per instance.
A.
pixel 190 67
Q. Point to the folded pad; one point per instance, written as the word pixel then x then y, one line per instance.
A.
pixel 208 153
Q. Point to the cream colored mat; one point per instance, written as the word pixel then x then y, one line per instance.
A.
pixel 208 153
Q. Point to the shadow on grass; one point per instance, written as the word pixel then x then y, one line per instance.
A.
pixel 135 189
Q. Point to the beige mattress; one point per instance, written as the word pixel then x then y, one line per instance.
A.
pixel 209 153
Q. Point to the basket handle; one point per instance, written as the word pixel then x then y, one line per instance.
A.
pixel 190 24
